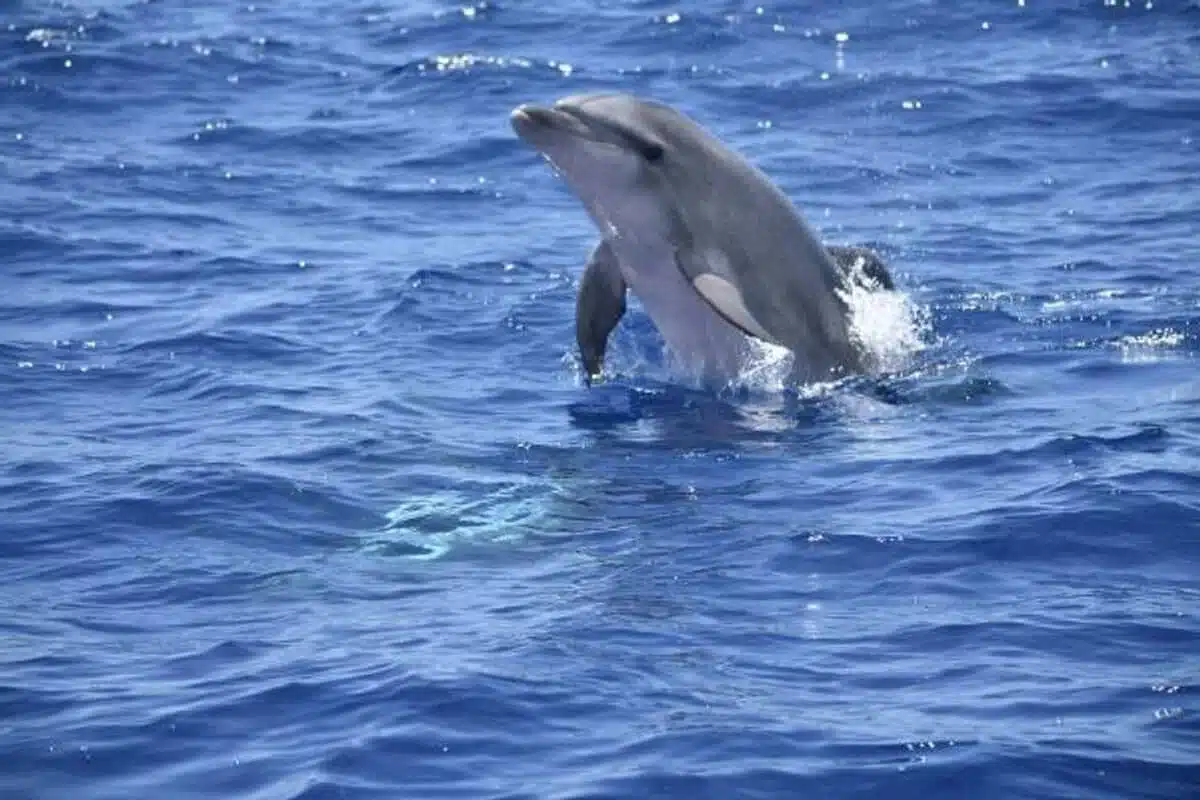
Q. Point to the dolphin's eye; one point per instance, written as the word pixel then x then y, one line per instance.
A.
pixel 652 152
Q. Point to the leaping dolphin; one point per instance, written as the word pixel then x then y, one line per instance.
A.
pixel 714 251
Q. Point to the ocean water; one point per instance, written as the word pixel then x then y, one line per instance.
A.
pixel 302 495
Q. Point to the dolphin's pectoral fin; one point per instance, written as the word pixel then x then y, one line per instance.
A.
pixel 713 284
pixel 598 307
pixel 871 266
pixel 727 301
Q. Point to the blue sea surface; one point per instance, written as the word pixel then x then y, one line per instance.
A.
pixel 302 494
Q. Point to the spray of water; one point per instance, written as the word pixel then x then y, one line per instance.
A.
pixel 886 324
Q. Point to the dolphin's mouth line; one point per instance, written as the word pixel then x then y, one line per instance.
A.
pixel 531 120
pixel 551 119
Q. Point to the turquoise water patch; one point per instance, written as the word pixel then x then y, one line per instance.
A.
pixel 429 526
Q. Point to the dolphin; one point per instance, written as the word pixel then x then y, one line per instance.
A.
pixel 715 252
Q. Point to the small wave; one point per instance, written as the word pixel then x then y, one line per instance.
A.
pixel 300 140
pixel 447 63
pixel 230 346
pixel 1151 346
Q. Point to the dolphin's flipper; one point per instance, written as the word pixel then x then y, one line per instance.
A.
pixel 713 280
pixel 872 267
pixel 598 307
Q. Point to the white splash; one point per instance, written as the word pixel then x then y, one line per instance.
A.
pixel 768 367
pixel 887 324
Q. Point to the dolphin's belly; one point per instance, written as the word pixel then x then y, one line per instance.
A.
pixel 697 336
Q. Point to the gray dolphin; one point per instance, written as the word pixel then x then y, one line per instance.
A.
pixel 714 251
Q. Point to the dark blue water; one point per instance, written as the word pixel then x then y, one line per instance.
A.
pixel 301 494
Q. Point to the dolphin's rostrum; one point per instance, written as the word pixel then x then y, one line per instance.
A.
pixel 714 251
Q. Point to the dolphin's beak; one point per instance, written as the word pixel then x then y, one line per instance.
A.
pixel 528 120
pixel 529 114
pixel 532 121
